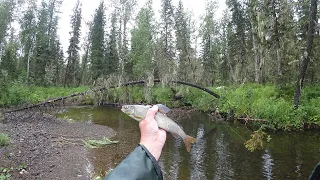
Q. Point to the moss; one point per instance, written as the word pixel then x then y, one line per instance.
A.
pixel 4 140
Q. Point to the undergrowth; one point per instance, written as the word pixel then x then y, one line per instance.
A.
pixel 17 94
pixel 268 102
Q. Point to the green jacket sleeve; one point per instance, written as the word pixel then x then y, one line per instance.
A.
pixel 315 173
pixel 139 164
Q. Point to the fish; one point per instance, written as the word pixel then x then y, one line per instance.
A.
pixel 139 112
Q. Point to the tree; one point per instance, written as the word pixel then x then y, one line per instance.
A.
pixel 112 58
pixel 237 41
pixel 85 76
pixel 73 50
pixel 27 36
pixel 97 43
pixel 166 66
pixel 257 21
pixel 125 9
pixel 6 14
pixel 183 42
pixel 208 49
pixel 46 39
pixel 8 63
pixel 142 44
pixel 307 53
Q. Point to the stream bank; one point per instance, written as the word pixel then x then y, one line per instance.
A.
pixel 44 147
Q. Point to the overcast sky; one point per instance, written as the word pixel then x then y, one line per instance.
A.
pixel 88 7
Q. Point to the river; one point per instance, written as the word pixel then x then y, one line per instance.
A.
pixel 218 154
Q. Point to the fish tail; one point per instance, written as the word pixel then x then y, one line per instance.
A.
pixel 187 141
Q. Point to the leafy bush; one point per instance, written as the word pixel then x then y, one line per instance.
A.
pixel 273 104
pixel 162 95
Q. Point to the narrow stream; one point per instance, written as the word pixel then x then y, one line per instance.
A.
pixel 218 154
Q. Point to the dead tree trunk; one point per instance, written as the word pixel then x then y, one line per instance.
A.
pixel 306 53
pixel 104 88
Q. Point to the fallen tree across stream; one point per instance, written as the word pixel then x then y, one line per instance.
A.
pixel 105 88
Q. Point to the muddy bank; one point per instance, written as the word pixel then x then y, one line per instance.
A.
pixel 50 148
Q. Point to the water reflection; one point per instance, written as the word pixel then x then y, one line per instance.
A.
pixel 223 163
pixel 267 164
pixel 197 167
pixel 218 154
pixel 175 159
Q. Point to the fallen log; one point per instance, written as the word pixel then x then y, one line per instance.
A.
pixel 105 88
pixel 248 119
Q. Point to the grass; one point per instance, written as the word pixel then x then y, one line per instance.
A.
pixel 19 94
pixel 4 140
pixel 269 102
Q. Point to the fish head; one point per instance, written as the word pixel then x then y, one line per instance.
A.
pixel 136 112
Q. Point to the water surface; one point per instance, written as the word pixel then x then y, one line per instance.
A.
pixel 218 154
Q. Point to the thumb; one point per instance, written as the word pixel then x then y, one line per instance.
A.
pixel 151 113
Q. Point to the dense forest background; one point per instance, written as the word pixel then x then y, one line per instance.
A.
pixel 262 41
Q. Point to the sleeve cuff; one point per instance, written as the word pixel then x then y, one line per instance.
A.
pixel 154 162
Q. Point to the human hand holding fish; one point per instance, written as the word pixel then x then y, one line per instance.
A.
pixel 152 137
pixel 152 125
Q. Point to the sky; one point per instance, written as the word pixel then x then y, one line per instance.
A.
pixel 197 7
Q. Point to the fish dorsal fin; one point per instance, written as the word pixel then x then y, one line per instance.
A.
pixel 163 109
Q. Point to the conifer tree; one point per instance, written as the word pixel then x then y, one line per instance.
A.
pixel 97 43
pixel 112 58
pixel 73 50
pixel 183 42
pixel 28 36
pixel 142 44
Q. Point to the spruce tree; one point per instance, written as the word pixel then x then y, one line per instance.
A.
pixel 73 50
pixel 142 45
pixel 112 58
pixel 97 43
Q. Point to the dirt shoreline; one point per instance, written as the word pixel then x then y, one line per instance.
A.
pixel 49 147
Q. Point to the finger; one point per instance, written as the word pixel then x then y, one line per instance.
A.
pixel 162 132
pixel 151 113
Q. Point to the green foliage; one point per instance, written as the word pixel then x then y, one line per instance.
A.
pixel 256 141
pixel 98 143
pixel 271 103
pixel 4 140
pixel 162 95
pixel 73 65
pixel 111 56
pixel 97 42
pixel 197 98
pixel 17 94
pixel 142 44
pixel 5 173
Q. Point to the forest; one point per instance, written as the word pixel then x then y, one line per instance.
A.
pixel 269 47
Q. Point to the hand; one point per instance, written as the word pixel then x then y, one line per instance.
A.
pixel 152 137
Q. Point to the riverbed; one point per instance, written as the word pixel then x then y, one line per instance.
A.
pixel 219 153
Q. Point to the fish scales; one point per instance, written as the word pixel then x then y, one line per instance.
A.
pixel 139 112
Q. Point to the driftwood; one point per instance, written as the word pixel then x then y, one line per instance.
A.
pixel 248 119
pixel 105 88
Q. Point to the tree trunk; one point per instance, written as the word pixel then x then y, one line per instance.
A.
pixel 257 59
pixel 306 53
pixel 277 39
